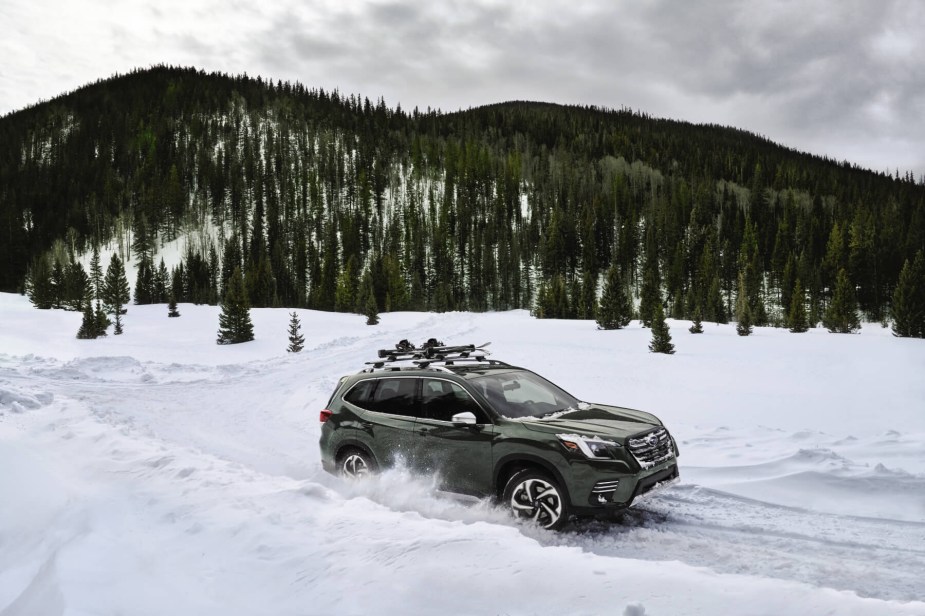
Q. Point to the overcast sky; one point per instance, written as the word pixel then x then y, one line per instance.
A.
pixel 842 78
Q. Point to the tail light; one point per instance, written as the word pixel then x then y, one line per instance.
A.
pixel 324 415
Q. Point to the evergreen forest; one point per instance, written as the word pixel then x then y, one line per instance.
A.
pixel 330 201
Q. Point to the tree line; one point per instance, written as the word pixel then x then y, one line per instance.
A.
pixel 333 202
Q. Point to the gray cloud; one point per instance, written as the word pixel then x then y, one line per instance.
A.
pixel 835 77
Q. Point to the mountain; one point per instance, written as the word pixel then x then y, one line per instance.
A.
pixel 324 198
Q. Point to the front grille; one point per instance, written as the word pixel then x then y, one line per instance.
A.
pixel 651 448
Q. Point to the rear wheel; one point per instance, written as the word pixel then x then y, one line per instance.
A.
pixel 534 495
pixel 355 463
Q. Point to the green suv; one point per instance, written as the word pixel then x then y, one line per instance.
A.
pixel 489 429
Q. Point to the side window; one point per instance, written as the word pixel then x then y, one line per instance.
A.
pixel 442 399
pixel 361 393
pixel 395 396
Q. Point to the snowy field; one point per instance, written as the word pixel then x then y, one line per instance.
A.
pixel 157 473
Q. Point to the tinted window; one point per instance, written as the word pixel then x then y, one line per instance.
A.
pixel 442 399
pixel 361 393
pixel 395 396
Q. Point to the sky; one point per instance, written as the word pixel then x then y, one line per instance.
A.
pixel 839 78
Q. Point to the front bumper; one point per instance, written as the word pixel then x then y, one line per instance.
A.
pixel 610 493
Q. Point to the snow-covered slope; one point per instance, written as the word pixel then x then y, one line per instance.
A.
pixel 159 473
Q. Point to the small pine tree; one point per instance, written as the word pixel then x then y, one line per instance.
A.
pixel 614 310
pixel 88 326
pixel 841 317
pixel 697 326
pixel 661 337
pixel 172 307
pixel 372 310
pixel 743 310
pixel 234 322
pixel 797 315
pixel 296 339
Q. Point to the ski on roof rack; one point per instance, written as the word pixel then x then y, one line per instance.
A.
pixel 432 349
pixel 431 352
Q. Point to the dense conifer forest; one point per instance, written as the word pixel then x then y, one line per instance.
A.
pixel 331 201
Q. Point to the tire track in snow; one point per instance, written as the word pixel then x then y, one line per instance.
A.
pixel 874 557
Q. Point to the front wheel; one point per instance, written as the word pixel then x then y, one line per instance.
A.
pixel 356 464
pixel 533 495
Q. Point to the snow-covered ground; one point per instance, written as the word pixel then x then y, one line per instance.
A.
pixel 159 473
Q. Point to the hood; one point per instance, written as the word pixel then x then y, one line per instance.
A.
pixel 596 420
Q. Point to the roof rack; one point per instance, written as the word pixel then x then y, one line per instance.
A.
pixel 431 354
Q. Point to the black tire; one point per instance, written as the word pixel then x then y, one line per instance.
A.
pixel 355 463
pixel 534 495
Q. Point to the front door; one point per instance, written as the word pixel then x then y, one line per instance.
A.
pixel 460 455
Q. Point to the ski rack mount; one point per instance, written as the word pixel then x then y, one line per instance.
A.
pixel 431 352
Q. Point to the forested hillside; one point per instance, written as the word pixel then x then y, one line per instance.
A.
pixel 323 198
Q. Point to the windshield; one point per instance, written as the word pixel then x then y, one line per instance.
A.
pixel 523 394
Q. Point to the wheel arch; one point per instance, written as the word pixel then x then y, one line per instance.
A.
pixel 507 466
pixel 348 444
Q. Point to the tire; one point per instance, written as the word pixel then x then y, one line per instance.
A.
pixel 355 463
pixel 534 495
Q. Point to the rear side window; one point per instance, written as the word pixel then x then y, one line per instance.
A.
pixel 361 393
pixel 394 396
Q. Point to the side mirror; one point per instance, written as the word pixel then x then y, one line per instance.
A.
pixel 467 418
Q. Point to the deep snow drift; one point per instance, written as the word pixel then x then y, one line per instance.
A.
pixel 158 473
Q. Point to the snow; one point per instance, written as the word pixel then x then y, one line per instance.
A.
pixel 159 473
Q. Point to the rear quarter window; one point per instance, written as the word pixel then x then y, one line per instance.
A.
pixel 361 393
pixel 394 396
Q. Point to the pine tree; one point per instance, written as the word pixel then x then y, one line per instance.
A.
pixel 909 299
pixel 296 339
pixel 234 322
pixel 697 326
pixel 797 315
pixel 76 283
pixel 39 286
pixel 743 310
pixel 372 310
pixel 102 321
pixel 841 317
pixel 651 294
pixel 161 279
pixel 586 298
pixel 614 310
pixel 96 273
pixel 88 326
pixel 57 284
pixel 661 337
pixel 116 291
pixel 172 307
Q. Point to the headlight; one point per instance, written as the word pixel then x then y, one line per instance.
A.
pixel 593 447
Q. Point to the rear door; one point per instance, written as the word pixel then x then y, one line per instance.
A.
pixel 389 407
pixel 460 455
